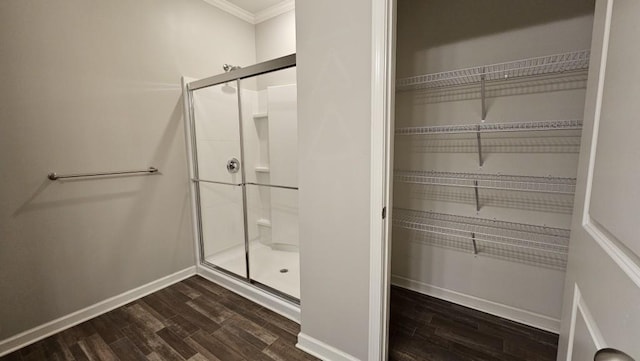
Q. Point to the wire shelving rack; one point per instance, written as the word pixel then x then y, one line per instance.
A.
pixel 544 125
pixel 538 245
pixel 538 66
pixel 532 244
pixel 489 181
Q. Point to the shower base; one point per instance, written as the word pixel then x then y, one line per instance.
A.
pixel 265 265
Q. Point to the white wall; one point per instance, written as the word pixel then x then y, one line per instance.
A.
pixel 334 101
pixel 276 37
pixel 439 35
pixel 94 86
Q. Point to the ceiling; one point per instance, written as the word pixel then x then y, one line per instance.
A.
pixel 254 11
pixel 255 6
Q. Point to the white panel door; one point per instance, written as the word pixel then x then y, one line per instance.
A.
pixel 602 288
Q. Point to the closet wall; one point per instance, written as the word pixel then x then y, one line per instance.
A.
pixel 520 274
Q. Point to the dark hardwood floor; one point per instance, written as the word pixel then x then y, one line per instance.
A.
pixel 427 328
pixel 190 320
pixel 198 320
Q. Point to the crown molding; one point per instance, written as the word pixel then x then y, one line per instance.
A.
pixel 275 10
pixel 233 9
pixel 251 18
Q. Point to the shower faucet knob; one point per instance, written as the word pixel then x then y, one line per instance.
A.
pixel 233 165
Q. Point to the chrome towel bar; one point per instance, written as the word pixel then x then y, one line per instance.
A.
pixel 55 176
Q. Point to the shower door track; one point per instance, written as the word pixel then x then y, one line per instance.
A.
pixel 284 62
pixel 236 75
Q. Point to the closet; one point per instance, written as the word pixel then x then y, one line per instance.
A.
pixel 488 116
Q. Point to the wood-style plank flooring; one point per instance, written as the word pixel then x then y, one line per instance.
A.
pixel 191 320
pixel 427 328
pixel 198 320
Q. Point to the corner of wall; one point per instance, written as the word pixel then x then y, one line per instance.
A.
pixel 322 350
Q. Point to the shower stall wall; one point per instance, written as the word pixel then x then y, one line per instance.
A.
pixel 243 148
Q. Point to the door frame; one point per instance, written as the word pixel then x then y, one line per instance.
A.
pixel 382 121
pixel 383 27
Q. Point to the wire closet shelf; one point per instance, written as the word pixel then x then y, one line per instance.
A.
pixel 489 181
pixel 539 245
pixel 544 125
pixel 544 65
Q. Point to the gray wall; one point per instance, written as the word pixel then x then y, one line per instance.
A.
pixel 334 92
pixel 91 86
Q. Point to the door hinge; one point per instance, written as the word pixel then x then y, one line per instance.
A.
pixel 384 212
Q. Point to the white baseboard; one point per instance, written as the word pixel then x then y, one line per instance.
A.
pixel 321 350
pixel 253 293
pixel 511 313
pixel 43 331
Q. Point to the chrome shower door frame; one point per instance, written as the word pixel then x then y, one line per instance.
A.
pixel 236 75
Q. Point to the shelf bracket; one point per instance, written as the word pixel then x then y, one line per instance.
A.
pixel 483 93
pixel 479 146
pixel 475 187
pixel 475 245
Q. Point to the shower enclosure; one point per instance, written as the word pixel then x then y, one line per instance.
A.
pixel 242 126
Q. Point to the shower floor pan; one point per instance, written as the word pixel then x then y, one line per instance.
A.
pixel 267 266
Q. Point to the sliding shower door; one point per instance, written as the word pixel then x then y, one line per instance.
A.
pixel 244 139
pixel 219 177
pixel 270 133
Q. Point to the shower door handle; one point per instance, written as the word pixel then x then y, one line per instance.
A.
pixel 233 165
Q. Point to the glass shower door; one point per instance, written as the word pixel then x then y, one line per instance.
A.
pixel 244 146
pixel 270 133
pixel 219 177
